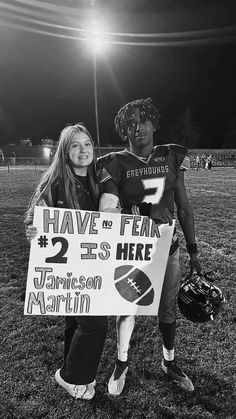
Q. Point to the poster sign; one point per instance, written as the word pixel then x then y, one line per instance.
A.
pixel 95 263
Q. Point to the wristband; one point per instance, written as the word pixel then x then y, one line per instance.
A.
pixel 138 209
pixel 191 248
pixel 145 208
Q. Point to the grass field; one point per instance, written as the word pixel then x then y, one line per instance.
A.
pixel 32 347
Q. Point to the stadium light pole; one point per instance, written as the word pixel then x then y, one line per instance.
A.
pixel 96 99
pixel 97 44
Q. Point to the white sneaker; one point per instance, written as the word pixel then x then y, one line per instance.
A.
pixel 84 391
pixel 117 380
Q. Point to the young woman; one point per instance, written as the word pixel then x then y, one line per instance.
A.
pixel 70 182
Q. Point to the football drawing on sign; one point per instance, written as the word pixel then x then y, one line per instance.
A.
pixel 134 285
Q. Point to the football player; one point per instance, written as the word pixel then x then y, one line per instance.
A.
pixel 149 181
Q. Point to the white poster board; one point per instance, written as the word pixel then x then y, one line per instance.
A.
pixel 94 263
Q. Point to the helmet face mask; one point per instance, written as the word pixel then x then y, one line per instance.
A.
pixel 198 299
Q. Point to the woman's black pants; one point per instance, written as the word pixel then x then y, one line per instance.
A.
pixel 84 342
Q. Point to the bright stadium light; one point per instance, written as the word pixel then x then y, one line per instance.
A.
pixel 97 38
pixel 46 151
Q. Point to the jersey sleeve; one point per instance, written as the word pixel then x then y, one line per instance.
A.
pixel 181 156
pixel 108 174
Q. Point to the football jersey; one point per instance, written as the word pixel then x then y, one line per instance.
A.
pixel 136 179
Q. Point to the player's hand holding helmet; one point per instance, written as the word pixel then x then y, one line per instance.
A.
pixel 194 263
pixel 198 299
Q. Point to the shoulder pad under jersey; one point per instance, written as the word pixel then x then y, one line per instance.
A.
pixel 106 159
pixel 109 158
pixel 180 154
pixel 107 166
pixel 178 149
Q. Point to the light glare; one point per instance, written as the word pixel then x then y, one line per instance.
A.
pixel 46 152
pixel 97 38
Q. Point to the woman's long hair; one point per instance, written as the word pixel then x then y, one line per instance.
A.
pixel 62 170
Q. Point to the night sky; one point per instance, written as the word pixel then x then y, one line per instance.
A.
pixel 46 80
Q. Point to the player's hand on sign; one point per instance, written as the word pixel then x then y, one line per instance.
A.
pixel 31 233
pixel 161 213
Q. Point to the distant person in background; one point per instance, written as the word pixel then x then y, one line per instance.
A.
pixel 192 161
pixel 209 162
pixel 198 162
pixel 70 182
pixel 13 158
pixel 203 161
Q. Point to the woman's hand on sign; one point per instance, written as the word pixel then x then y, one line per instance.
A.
pixel 113 210
pixel 31 233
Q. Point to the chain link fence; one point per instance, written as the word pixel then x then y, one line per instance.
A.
pixel 24 163
pixel 39 164
pixel 35 164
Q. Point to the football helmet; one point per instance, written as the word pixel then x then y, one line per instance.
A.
pixel 198 299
